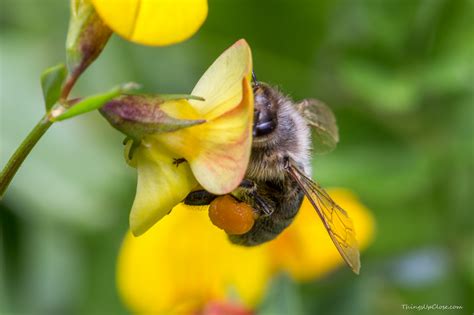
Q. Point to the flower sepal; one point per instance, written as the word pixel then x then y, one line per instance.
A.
pixel 87 36
pixel 140 115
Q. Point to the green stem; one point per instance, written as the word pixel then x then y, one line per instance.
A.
pixel 21 153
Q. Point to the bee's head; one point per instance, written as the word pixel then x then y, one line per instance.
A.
pixel 265 110
pixel 279 132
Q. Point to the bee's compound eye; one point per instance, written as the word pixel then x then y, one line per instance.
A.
pixel 265 116
pixel 263 128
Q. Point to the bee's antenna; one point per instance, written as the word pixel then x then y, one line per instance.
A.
pixel 254 78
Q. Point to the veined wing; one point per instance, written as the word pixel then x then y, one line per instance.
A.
pixel 320 117
pixel 335 219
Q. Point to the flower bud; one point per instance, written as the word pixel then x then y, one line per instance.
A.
pixel 87 36
pixel 141 115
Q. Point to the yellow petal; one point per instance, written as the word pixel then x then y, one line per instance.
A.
pixel 305 249
pixel 218 151
pixel 183 262
pixel 153 22
pixel 221 84
pixel 161 185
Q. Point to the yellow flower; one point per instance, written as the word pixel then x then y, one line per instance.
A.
pixel 153 22
pixel 184 263
pixel 214 154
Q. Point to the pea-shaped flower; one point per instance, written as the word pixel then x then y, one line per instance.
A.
pixel 153 22
pixel 186 143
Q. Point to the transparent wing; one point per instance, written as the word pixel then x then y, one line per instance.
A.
pixel 320 117
pixel 335 219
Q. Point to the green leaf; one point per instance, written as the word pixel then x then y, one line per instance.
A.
pixel 170 97
pixel 94 102
pixel 51 82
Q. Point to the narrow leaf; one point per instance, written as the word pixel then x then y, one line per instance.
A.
pixel 170 97
pixel 94 102
pixel 51 82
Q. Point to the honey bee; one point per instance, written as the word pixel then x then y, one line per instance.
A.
pixel 278 175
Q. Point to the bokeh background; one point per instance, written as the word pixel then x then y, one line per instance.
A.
pixel 399 76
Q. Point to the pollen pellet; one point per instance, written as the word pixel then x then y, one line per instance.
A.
pixel 232 216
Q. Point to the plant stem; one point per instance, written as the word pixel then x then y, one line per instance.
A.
pixel 21 153
pixel 68 85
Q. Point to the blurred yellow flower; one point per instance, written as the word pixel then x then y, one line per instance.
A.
pixel 153 22
pixel 214 154
pixel 184 263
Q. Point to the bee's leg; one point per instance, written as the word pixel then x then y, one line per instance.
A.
pixel 199 198
pixel 263 205
pixel 248 191
pixel 248 184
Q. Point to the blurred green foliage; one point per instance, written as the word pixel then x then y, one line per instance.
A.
pixel 399 76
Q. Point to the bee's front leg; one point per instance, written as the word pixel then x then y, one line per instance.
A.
pixel 204 198
pixel 199 198
pixel 248 184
